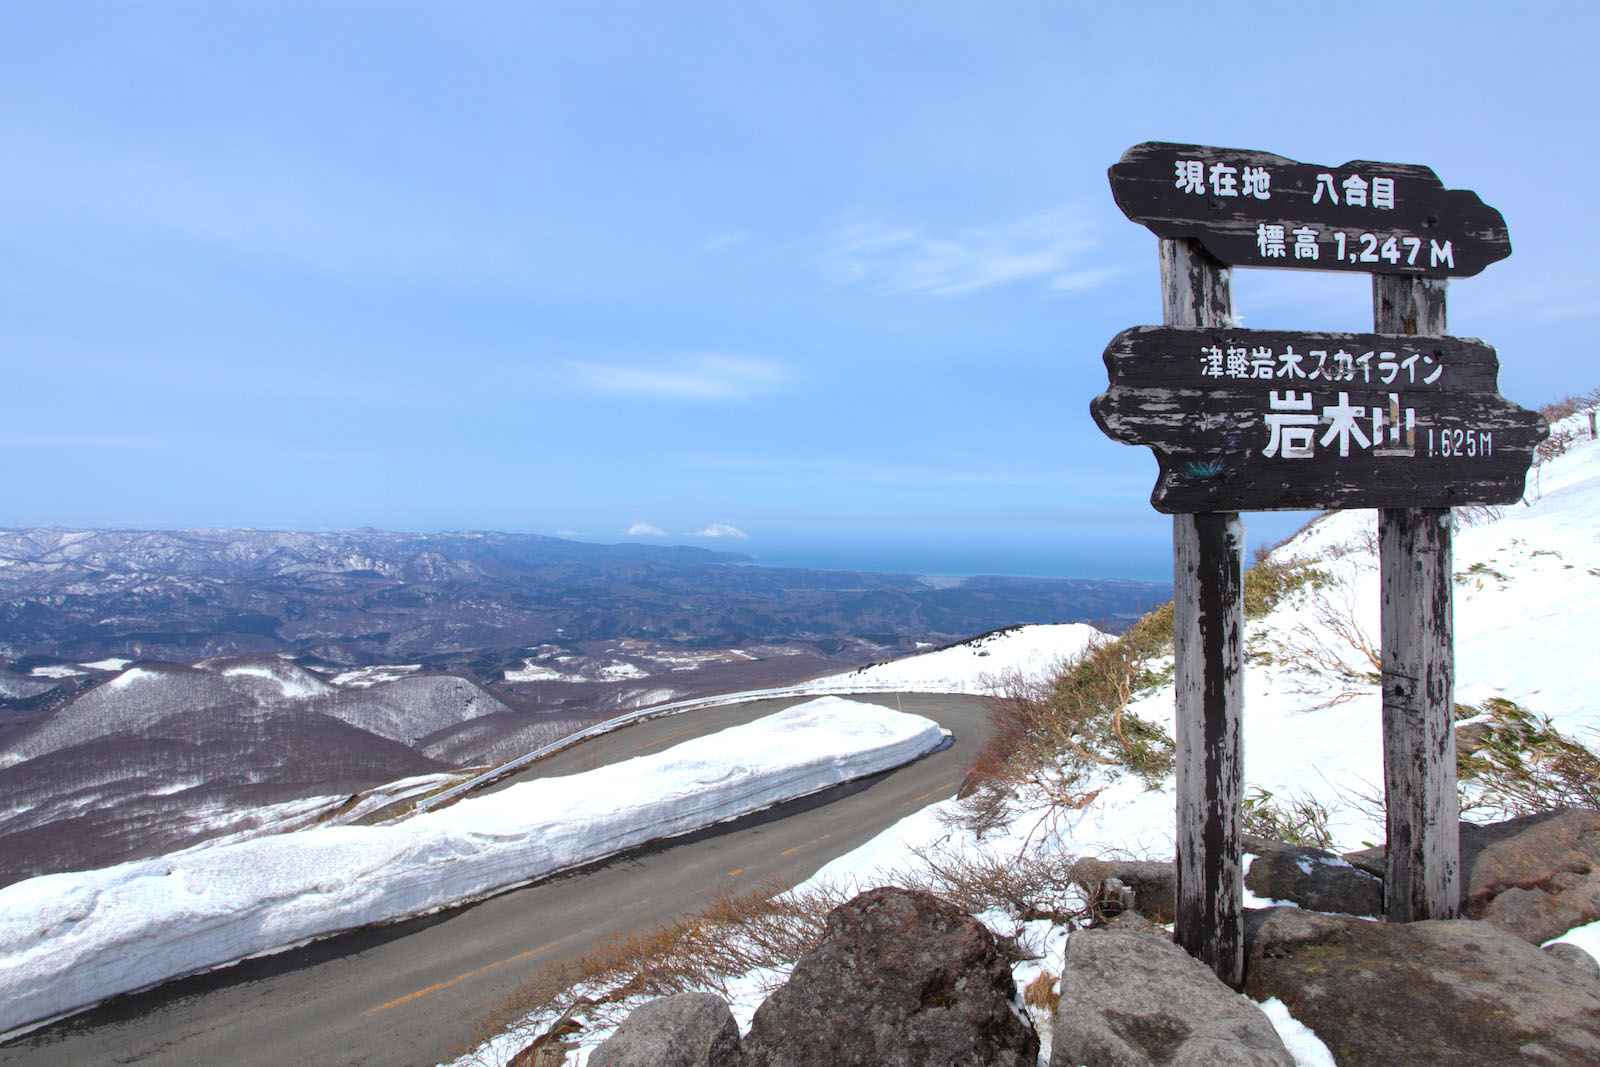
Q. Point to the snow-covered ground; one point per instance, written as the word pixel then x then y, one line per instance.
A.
pixel 366 677
pixel 972 666
pixel 69 940
pixel 1527 622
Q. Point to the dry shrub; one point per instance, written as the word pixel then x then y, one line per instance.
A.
pixel 1266 584
pixel 1297 819
pixel 1511 762
pixel 1337 657
pixel 1567 406
pixel 1557 444
pixel 1561 440
pixel 765 928
pixel 1026 887
pixel 1052 733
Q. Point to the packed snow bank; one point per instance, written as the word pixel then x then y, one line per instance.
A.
pixel 974 666
pixel 69 940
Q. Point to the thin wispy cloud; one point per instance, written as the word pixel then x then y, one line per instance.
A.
pixel 703 376
pixel 644 529
pixel 905 259
pixel 722 241
pixel 721 529
pixel 1080 280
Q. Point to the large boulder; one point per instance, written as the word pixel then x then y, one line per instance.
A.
pixel 1131 999
pixel 1537 876
pixel 899 979
pixel 1449 993
pixel 686 1030
pixel 1312 878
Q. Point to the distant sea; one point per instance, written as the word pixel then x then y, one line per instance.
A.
pixel 1151 564
pixel 1145 556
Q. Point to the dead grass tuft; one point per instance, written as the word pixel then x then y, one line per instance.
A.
pixel 1041 994
pixel 737 932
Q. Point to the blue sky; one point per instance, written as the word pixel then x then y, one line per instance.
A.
pixel 832 277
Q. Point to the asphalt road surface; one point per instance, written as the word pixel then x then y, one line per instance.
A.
pixel 409 992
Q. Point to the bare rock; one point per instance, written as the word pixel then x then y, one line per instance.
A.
pixel 1132 999
pixel 899 979
pixel 686 1030
pixel 1582 965
pixel 1450 993
pixel 1154 884
pixel 1537 876
pixel 1314 879
pixel 1132 920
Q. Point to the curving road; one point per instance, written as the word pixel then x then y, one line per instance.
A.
pixel 409 993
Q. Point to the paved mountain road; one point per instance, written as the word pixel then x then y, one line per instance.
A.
pixel 408 993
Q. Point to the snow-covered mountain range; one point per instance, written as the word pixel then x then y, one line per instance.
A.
pixel 369 596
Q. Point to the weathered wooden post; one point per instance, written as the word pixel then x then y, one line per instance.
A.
pixel 1207 637
pixel 1405 419
pixel 1422 879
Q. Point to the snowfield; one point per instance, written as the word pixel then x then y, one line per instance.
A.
pixel 71 940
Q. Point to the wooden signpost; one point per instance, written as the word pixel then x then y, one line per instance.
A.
pixel 1404 419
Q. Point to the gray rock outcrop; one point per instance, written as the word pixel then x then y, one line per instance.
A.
pixel 1583 966
pixel 1312 878
pixel 899 979
pixel 1154 884
pixel 686 1030
pixel 1131 999
pixel 1537 876
pixel 1451 993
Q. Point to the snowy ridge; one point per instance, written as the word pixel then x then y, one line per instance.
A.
pixel 974 666
pixel 405 708
pixel 70 940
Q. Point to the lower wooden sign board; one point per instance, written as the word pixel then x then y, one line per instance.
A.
pixel 1263 420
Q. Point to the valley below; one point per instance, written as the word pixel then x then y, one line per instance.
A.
pixel 159 689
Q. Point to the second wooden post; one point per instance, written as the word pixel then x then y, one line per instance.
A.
pixel 1423 876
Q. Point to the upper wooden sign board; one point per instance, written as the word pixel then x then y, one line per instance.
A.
pixel 1262 420
pixel 1255 209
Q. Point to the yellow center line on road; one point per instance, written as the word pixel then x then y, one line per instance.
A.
pixel 808 844
pixel 463 977
pixel 659 740
pixel 926 795
pixel 735 874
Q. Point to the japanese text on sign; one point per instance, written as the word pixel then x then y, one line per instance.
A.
pixel 1262 362
pixel 1297 425
pixel 1273 240
pixel 1222 179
